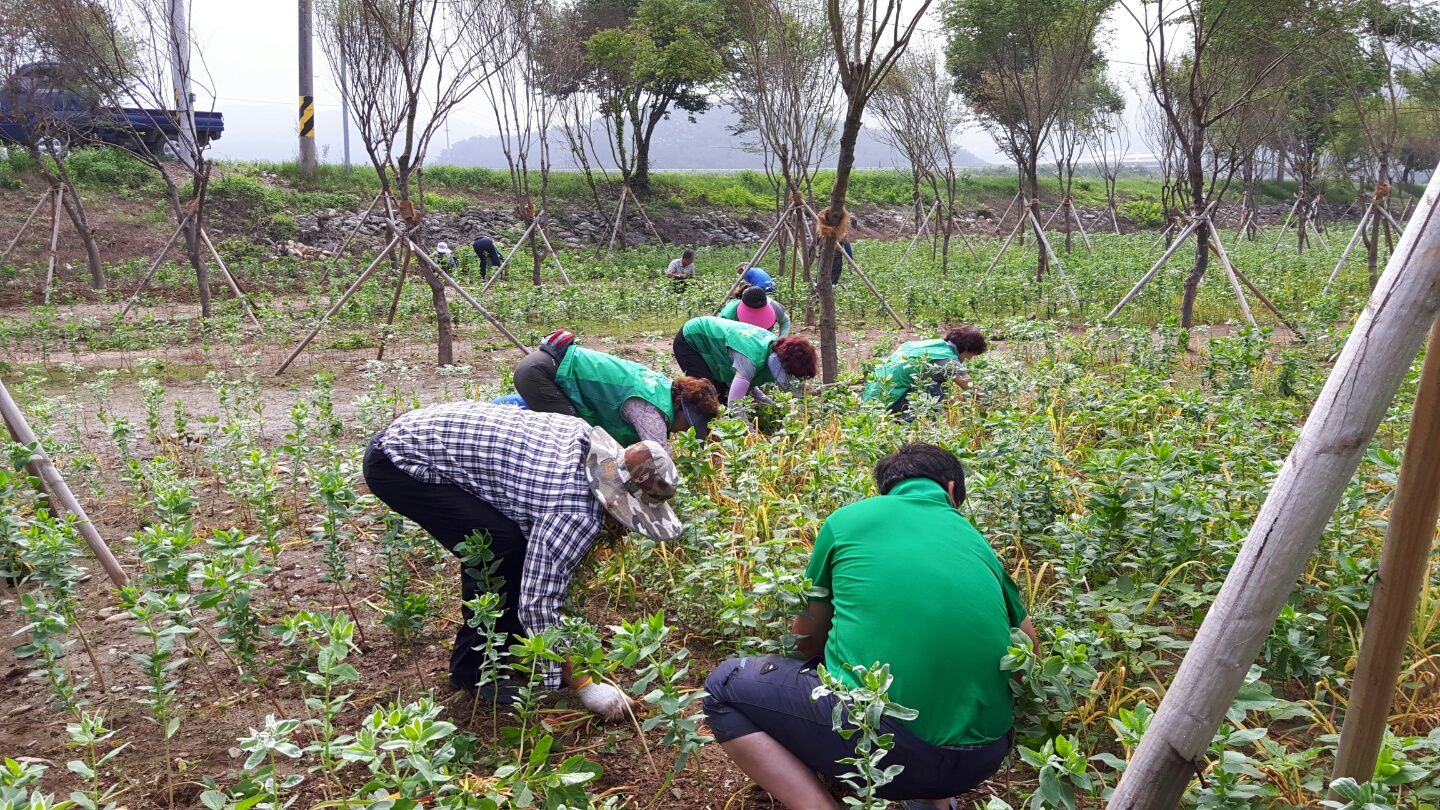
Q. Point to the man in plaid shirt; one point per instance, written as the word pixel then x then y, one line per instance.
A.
pixel 544 487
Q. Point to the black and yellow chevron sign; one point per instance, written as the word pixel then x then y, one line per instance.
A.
pixel 307 116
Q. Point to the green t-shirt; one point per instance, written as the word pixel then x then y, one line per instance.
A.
pixel 598 385
pixel 891 379
pixel 714 338
pixel 915 586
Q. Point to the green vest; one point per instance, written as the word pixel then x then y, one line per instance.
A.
pixel 714 337
pixel 598 385
pixel 892 378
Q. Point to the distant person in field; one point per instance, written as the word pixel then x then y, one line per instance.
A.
pixel 489 255
pixel 837 264
pixel 737 358
pixel 925 365
pixel 682 269
pixel 629 400
pixel 545 489
pixel 444 257
pixel 756 308
pixel 755 277
pixel 909 583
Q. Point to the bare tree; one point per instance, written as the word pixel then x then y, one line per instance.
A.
pixel 1108 144
pixel 1205 61
pixel 52 100
pixel 868 39
pixel 779 83
pixel 138 53
pixel 410 63
pixel 918 97
pixel 523 110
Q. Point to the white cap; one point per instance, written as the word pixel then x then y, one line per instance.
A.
pixel 442 248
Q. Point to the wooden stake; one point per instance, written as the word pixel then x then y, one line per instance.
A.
pixel 440 271
pixel 1364 221
pixel 1403 569
pixel 1285 225
pixel 759 254
pixel 335 307
pixel 918 231
pixel 15 418
pixel 43 197
pixel 501 269
pixel 340 251
pixel 229 279
pixel 1056 259
pixel 998 256
pixel 641 208
pixel 159 260
pixel 553 255
pixel 861 273
pixel 619 220
pixel 1145 279
pixel 1230 274
pixel 57 196
pixel 394 305
pixel 1369 371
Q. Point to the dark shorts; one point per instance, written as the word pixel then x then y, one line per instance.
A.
pixel 772 694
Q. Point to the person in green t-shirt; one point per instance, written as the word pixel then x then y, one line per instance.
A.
pixel 925 365
pixel 631 402
pixel 911 584
pixel 738 357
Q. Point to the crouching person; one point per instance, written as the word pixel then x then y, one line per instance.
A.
pixel 545 488
pixel 911 584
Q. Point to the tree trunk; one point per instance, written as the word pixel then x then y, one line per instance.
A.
pixel 194 252
pixel 76 210
pixel 640 180
pixel 536 256
pixel 445 322
pixel 1195 169
pixel 1372 247
pixel 1197 273
pixel 1032 180
pixel 834 214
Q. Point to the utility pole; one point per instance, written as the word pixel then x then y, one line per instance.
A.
pixel 180 83
pixel 307 95
pixel 344 110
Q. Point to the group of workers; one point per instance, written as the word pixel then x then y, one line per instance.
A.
pixel 586 459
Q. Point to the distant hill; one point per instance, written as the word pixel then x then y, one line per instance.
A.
pixel 679 145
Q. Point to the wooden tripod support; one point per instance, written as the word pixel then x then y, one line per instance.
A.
pixel 15 419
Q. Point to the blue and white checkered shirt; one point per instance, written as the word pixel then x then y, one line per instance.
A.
pixel 529 466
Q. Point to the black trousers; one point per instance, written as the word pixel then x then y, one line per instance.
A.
pixel 535 383
pixel 690 362
pixel 450 514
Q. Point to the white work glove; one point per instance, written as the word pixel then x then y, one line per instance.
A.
pixel 603 699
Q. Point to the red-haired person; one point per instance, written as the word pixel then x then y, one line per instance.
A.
pixel 737 357
pixel 926 365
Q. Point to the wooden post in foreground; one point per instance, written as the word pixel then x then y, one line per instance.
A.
pixel 1403 568
pixel 15 418
pixel 1370 369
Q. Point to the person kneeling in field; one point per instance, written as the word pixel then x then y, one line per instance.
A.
pixel 627 399
pixel 913 585
pixel 737 357
pixel 924 362
pixel 754 307
pixel 545 488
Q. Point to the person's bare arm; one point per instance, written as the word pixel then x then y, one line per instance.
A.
pixel 813 628
pixel 1028 629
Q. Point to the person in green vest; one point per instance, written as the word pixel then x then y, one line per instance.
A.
pixel 753 306
pixel 908 582
pixel 927 363
pixel 631 402
pixel 738 357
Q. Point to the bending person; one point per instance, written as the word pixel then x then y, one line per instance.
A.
pixel 737 357
pixel 758 309
pixel 927 363
pixel 489 255
pixel 911 539
pixel 755 277
pixel 627 399
pixel 544 488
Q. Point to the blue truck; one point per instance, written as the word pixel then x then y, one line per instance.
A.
pixel 37 99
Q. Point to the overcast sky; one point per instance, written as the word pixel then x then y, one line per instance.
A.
pixel 250 50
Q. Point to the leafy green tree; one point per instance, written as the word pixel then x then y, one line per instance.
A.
pixel 644 61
